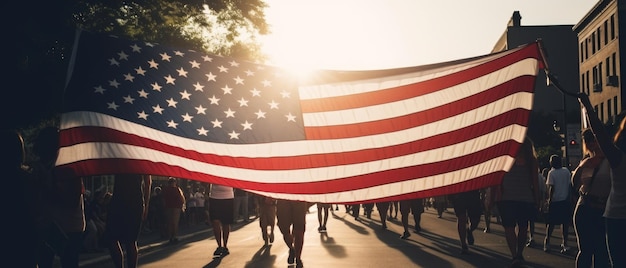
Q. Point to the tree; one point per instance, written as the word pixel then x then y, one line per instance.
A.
pixel 42 37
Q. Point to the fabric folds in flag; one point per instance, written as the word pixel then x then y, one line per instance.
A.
pixel 336 137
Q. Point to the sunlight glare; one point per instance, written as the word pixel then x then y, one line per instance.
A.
pixel 312 36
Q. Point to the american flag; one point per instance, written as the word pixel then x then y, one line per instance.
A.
pixel 338 137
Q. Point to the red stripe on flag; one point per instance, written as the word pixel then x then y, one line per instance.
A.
pixel 422 117
pixel 417 89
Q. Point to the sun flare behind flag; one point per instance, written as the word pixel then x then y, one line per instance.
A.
pixel 339 137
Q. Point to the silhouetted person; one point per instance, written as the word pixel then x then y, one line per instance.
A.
pixel 292 224
pixel 221 211
pixel 62 205
pixel 127 209
pixel 21 228
pixel 467 208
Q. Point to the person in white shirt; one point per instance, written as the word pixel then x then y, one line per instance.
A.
pixel 221 206
pixel 196 206
pixel 560 205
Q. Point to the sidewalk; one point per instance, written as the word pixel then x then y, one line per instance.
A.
pixel 152 241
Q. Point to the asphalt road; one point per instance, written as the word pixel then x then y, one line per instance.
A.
pixel 349 243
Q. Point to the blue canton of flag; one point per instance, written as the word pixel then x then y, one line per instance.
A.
pixel 184 92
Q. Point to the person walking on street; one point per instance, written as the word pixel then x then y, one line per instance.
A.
pixel 394 207
pixel 322 216
pixel 416 207
pixel 128 208
pixel 174 204
pixel 382 208
pixel 615 211
pixel 24 199
pixel 517 199
pixel 592 180
pixel 441 203
pixel 62 206
pixel 467 208
pixel 560 210
pixel 542 193
pixel 291 215
pixel 241 205
pixel 221 211
pixel 485 196
pixel 267 218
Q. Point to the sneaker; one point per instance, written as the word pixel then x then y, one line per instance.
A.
pixel 299 264
pixel 225 252
pixel 291 260
pixel 470 237
pixel 405 235
pixel 217 253
pixel 565 249
pixel 323 229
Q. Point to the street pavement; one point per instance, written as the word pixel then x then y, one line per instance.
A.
pixel 348 243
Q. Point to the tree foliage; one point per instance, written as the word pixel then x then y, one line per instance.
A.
pixel 43 33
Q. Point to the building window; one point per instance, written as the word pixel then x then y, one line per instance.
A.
pixel 588 82
pixel 601 112
pixel 600 73
pixel 609 109
pixel 593 43
pixel 598 38
pixel 615 108
pixel 582 84
pixel 606 32
pixel 612 27
pixel 614 66
pixel 608 66
pixel 582 53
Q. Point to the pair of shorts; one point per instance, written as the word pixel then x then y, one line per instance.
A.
pixel 516 213
pixel 324 205
pixel 415 206
pixel 124 223
pixel 289 212
pixel 560 212
pixel 472 208
pixel 222 210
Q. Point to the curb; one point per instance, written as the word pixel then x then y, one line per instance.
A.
pixel 147 247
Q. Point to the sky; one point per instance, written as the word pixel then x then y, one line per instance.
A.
pixel 374 35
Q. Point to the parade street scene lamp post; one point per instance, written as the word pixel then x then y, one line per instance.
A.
pixel 562 135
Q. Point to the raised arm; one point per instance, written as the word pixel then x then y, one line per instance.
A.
pixel 612 153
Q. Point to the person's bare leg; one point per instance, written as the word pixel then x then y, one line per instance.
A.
pixel 226 234
pixel 522 236
pixel 217 232
pixel 132 255
pixel 511 240
pixel 115 250
pixel 461 227
pixel 546 241
pixel 320 218
pixel 298 242
pixel 325 220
